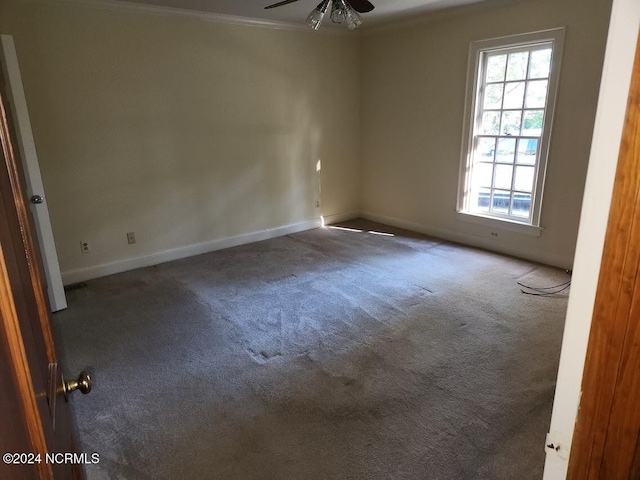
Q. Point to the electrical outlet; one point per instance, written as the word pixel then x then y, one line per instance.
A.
pixel 317 203
pixel 494 234
pixel 131 237
pixel 84 246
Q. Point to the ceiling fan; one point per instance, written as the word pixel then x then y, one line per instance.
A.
pixel 341 11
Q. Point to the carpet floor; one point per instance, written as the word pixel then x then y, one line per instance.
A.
pixel 359 352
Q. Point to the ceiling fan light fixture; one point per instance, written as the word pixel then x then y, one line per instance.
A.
pixel 354 20
pixel 317 15
pixel 339 11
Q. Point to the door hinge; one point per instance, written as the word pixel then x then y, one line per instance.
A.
pixel 557 444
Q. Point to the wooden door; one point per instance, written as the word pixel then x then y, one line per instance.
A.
pixel 606 442
pixel 34 416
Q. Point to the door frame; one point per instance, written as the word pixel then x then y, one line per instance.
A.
pixel 609 121
pixel 606 441
pixel 34 184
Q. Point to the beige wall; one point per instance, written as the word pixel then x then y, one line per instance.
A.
pixel 414 81
pixel 182 130
pixel 187 131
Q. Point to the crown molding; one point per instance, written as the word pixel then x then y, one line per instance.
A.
pixel 438 16
pixel 123 6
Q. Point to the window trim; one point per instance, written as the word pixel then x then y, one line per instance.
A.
pixel 554 36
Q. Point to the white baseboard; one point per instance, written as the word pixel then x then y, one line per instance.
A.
pixel 552 259
pixel 340 217
pixel 96 271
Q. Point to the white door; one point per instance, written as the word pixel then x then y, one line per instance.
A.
pixel 35 188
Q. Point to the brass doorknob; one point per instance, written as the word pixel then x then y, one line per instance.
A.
pixel 82 383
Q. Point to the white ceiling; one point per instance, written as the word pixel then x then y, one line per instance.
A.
pixel 296 13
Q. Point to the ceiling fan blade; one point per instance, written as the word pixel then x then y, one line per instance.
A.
pixel 361 6
pixel 279 4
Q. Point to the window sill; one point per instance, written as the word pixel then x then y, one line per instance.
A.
pixel 499 223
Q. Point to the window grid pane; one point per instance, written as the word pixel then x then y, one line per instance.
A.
pixel 510 115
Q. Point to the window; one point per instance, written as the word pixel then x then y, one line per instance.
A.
pixel 510 101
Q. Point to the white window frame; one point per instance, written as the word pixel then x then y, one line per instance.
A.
pixel 477 51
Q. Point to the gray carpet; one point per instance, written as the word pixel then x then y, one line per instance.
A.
pixel 327 354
